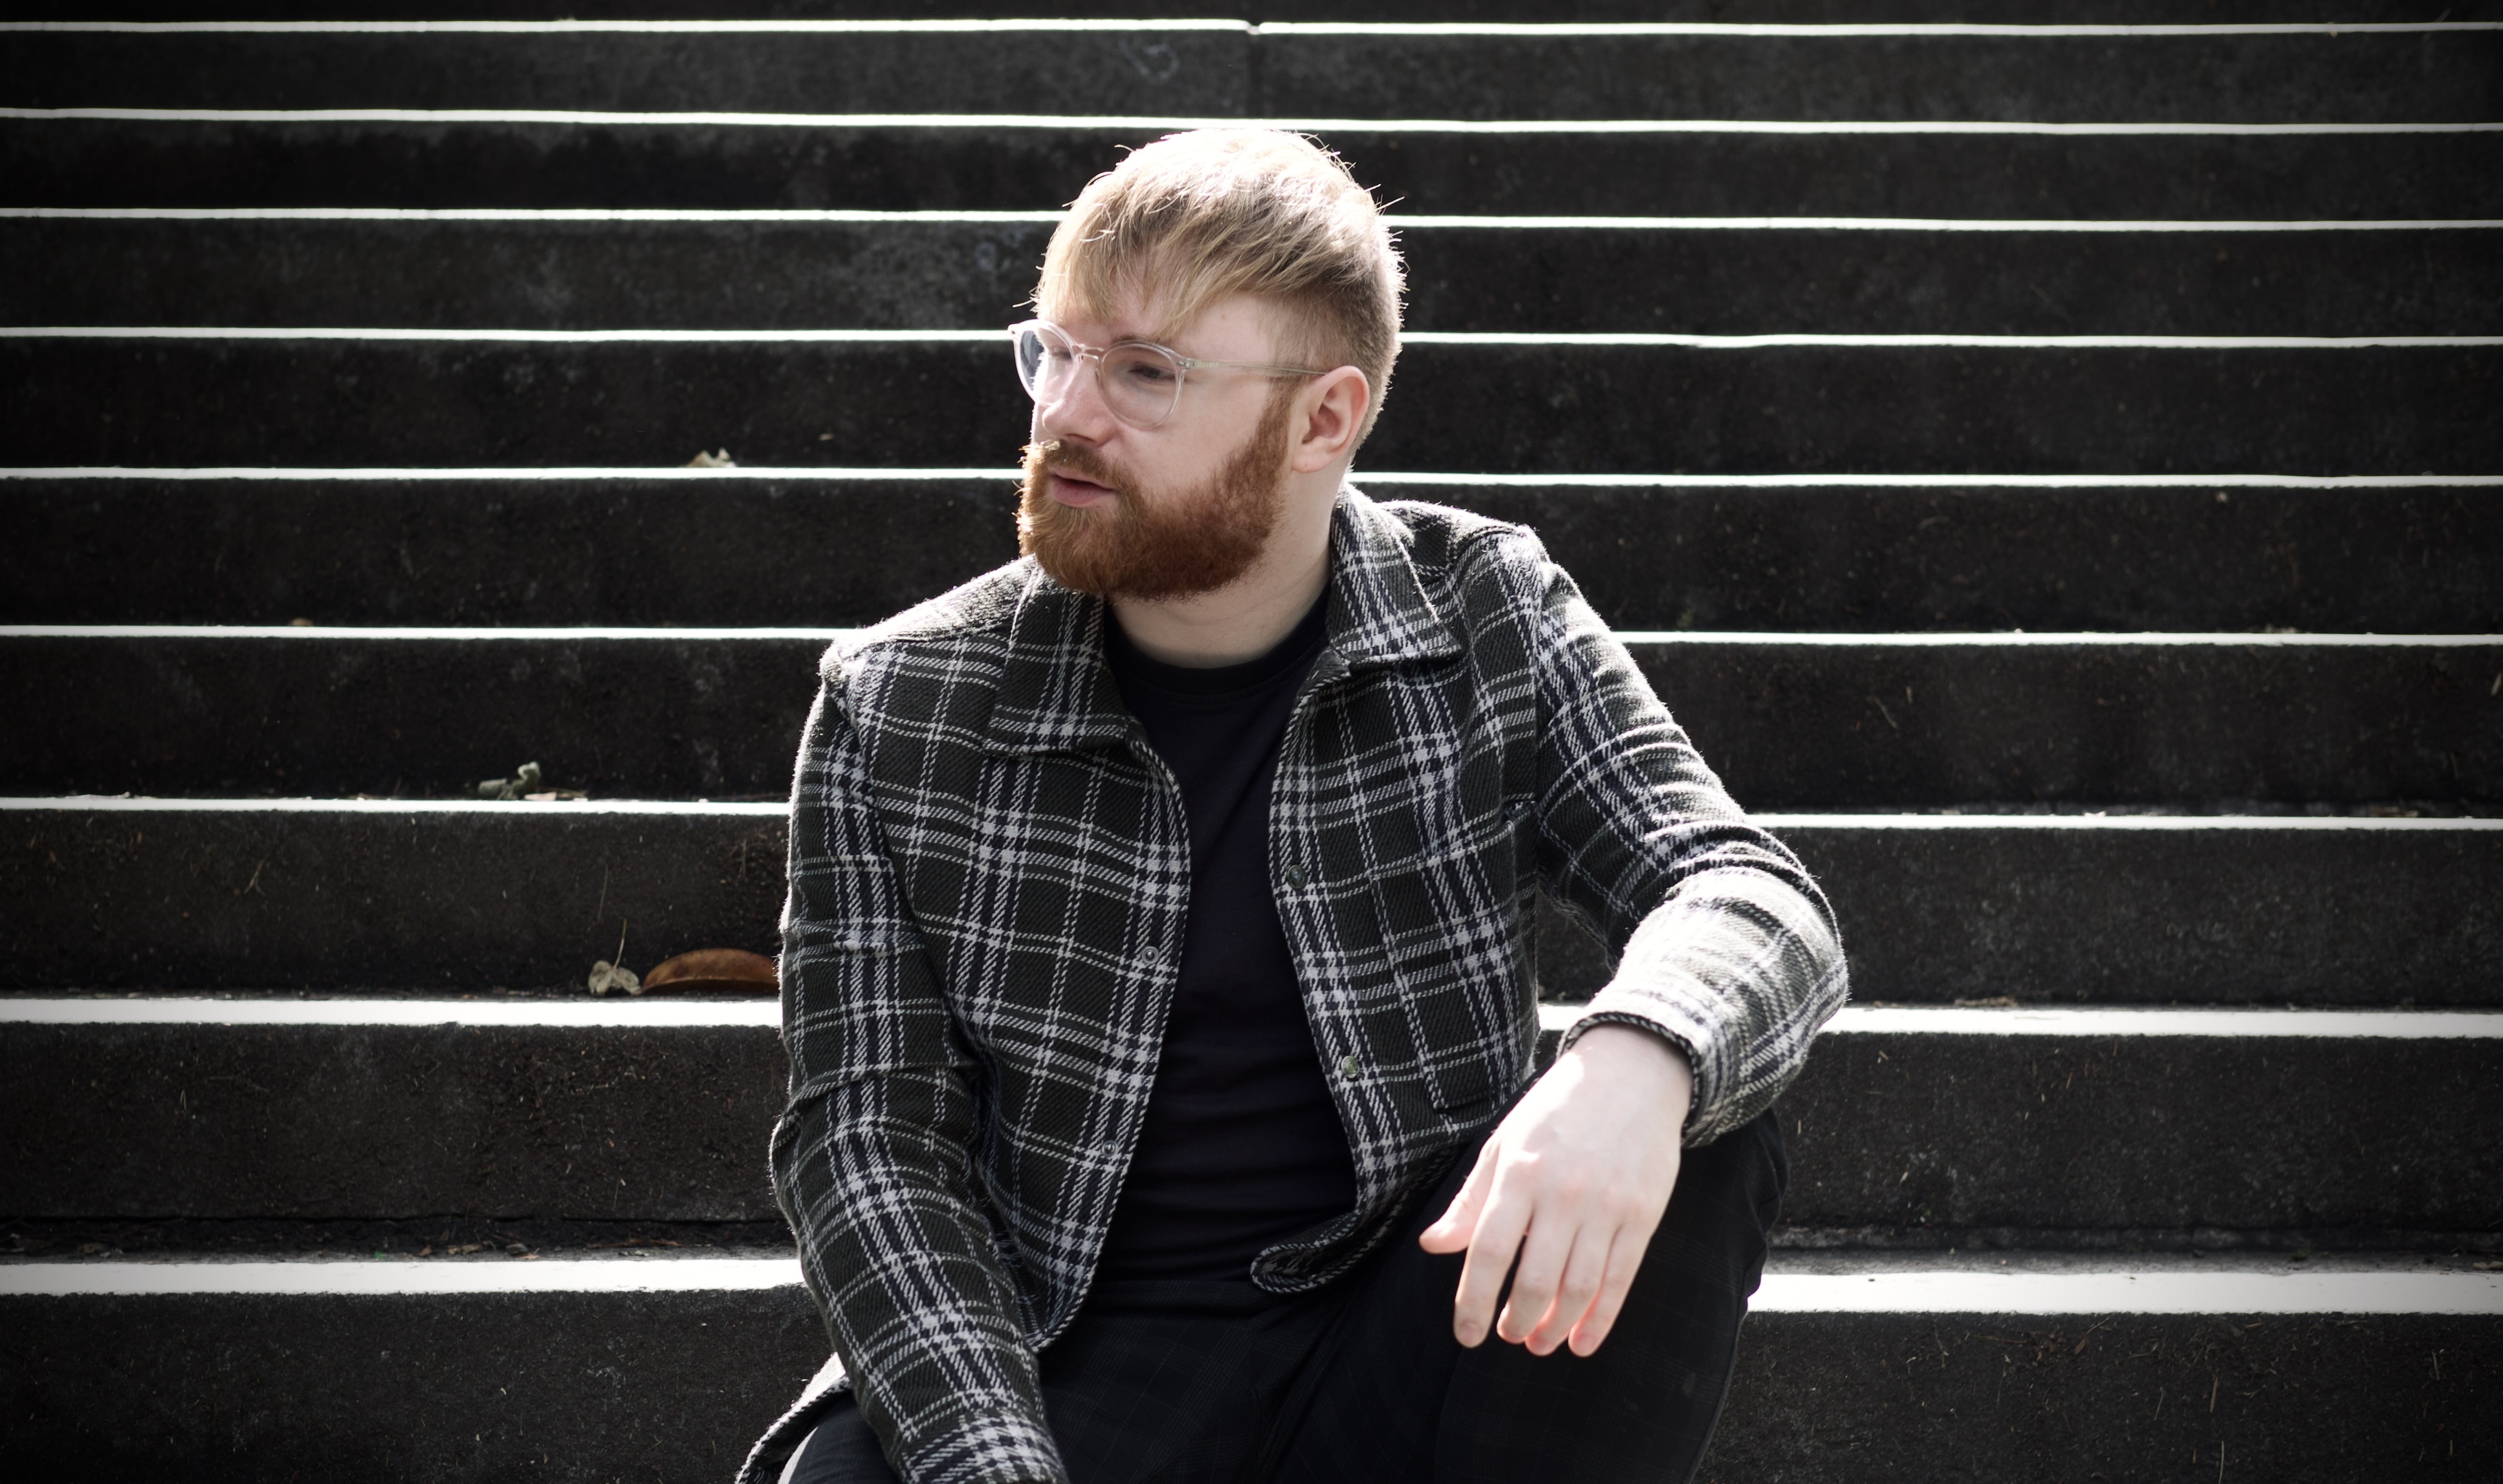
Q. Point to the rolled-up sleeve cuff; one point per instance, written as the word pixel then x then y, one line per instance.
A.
pixel 1693 1021
pixel 1007 1447
pixel 1738 968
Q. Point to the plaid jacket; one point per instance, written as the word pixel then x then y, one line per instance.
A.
pixel 989 875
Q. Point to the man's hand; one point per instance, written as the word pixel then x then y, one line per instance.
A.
pixel 1583 1166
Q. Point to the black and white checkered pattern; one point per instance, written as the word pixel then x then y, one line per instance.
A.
pixel 989 875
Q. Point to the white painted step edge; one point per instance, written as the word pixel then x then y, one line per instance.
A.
pixel 1681 638
pixel 828 473
pixel 1511 30
pixel 1952 1291
pixel 2085 1023
pixel 2256 827
pixel 1425 221
pixel 1161 123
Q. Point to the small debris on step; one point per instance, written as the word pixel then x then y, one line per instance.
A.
pixel 525 785
pixel 608 978
pixel 525 780
pixel 735 970
pixel 717 460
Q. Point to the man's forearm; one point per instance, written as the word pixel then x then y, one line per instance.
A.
pixel 1738 970
pixel 914 1300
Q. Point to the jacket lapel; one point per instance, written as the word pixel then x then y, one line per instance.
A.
pixel 1056 690
pixel 1380 610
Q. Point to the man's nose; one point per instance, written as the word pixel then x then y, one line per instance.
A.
pixel 1078 412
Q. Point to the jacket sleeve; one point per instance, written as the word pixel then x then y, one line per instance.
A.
pixel 871 1155
pixel 1722 942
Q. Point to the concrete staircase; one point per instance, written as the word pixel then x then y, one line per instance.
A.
pixel 2055 472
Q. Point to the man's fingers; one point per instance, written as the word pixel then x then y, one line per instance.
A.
pixel 1544 1256
pixel 1490 1250
pixel 1586 1273
pixel 1625 1259
pixel 1458 1225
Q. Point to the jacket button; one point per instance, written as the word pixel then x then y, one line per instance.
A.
pixel 1294 875
pixel 1349 1066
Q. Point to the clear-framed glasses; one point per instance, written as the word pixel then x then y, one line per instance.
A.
pixel 1140 382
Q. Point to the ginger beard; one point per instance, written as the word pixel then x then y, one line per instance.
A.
pixel 1175 545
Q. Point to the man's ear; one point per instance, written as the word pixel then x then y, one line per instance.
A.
pixel 1329 413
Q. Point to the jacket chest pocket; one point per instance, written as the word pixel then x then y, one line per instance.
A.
pixel 1451 926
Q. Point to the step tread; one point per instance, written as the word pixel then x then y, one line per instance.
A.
pixel 2084 172
pixel 2207 74
pixel 1749 276
pixel 1942 1121
pixel 2047 407
pixel 750 547
pixel 1792 722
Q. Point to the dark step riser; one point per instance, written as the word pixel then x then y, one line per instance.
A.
pixel 1833 1399
pixel 363 1122
pixel 1787 725
pixel 2198 79
pixel 1145 73
pixel 810 554
pixel 528 897
pixel 2387 561
pixel 1545 409
pixel 240 1390
pixel 910 275
pixel 2043 1132
pixel 2245 79
pixel 675 1386
pixel 425 901
pixel 2268 177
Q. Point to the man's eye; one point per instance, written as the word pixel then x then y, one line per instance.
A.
pixel 1148 373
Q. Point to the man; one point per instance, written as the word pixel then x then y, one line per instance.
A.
pixel 1156 971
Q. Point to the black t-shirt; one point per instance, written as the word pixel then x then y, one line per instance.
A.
pixel 1242 1147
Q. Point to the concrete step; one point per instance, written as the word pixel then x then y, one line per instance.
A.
pixel 1219 69
pixel 1530 275
pixel 2025 172
pixel 755 66
pixel 2341 1127
pixel 348 895
pixel 1790 721
pixel 392 1109
pixel 2007 406
pixel 746 547
pixel 663 1369
pixel 588 1371
pixel 2047 74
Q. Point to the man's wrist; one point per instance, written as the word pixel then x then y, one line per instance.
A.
pixel 1617 1050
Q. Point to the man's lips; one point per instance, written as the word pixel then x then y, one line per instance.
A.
pixel 1077 491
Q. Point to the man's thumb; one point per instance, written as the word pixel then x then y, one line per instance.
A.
pixel 1459 1223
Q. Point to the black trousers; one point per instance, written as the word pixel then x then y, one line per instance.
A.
pixel 1218 1383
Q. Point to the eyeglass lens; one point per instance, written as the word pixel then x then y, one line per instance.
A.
pixel 1140 384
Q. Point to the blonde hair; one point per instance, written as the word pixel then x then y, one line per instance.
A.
pixel 1200 216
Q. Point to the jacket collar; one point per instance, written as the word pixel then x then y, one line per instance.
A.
pixel 1056 692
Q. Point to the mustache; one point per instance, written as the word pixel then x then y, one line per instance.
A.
pixel 1065 459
